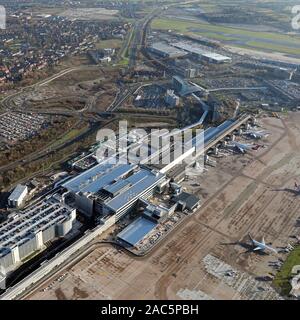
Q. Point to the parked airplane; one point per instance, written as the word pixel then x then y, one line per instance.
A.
pixel 240 147
pixel 261 246
pixel 256 134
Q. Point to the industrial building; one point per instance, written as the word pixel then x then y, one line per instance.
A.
pixel 28 231
pixel 166 51
pixel 113 190
pixel 17 197
pixel 186 201
pixel 158 213
pixel 201 54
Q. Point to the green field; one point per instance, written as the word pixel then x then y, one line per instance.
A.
pixel 123 62
pixel 282 279
pixel 264 41
pixel 111 43
pixel 272 47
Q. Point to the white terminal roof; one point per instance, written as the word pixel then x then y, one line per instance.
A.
pixel 198 50
pixel 216 56
pixel 97 177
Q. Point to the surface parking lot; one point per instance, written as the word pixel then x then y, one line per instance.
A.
pixel 16 127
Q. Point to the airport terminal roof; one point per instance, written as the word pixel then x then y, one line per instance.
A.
pixel 117 187
pixel 213 132
pixel 124 182
pixel 136 231
pixel 197 50
pixel 188 47
pixel 139 182
pixel 97 177
pixel 216 56
pixel 210 133
pixel 163 47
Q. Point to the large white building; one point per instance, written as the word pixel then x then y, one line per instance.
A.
pixel 202 54
pixel 17 197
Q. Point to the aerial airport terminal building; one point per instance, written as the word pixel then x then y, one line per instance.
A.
pixel 108 190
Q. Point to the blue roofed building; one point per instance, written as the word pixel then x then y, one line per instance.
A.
pixel 136 231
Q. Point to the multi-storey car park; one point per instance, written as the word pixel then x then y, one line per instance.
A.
pixel 28 231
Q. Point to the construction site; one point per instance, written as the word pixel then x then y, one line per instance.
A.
pixel 208 256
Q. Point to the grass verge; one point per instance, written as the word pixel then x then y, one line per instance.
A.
pixel 283 277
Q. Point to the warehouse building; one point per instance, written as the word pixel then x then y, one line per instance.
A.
pixel 166 51
pixel 28 231
pixel 113 190
pixel 17 197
